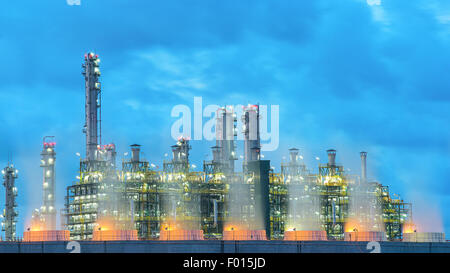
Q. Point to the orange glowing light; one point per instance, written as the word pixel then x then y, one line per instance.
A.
pixel 170 225
pixel 231 227
pixel 36 224
pixel 105 224
pixel 353 226
pixel 409 227
pixel 36 228
pixel 173 231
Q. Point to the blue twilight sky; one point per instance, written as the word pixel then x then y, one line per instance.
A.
pixel 351 75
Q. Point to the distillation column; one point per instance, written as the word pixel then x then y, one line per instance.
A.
pixel 252 144
pixel 10 214
pixel 48 157
pixel 93 102
pixel 225 133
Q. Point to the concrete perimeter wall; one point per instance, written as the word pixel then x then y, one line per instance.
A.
pixel 221 247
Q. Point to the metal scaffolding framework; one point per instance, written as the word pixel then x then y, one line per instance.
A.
pixel 10 214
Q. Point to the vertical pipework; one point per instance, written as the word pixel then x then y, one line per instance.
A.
pixel 92 106
pixel 363 166
pixel 215 211
pixel 10 214
pixel 252 144
pixel 48 158
pixel 331 157
pixel 132 213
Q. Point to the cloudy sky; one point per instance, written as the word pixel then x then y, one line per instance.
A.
pixel 351 75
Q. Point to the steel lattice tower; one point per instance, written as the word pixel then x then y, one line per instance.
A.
pixel 10 214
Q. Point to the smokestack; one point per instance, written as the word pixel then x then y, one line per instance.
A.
pixel 176 152
pixel 293 153
pixel 135 150
pixel 363 166
pixel 331 157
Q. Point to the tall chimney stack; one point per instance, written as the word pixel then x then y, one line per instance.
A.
pixel 293 153
pixel 331 157
pixel 363 166
pixel 135 150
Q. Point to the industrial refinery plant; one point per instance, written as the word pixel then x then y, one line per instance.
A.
pixel 134 201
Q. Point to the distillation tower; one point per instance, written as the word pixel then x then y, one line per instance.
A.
pixel 10 214
pixel 225 147
pixel 48 157
pixel 93 102
pixel 252 142
pixel 87 199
